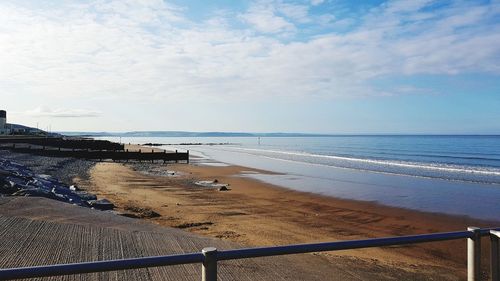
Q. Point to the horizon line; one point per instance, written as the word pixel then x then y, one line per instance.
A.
pixel 282 133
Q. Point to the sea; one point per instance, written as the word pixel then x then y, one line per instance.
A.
pixel 451 174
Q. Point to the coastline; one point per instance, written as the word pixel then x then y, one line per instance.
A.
pixel 255 213
pixel 108 235
pixel 427 194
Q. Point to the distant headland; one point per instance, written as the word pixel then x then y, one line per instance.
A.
pixel 187 134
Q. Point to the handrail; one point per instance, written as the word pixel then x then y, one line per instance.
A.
pixel 98 266
pixel 209 256
pixel 341 245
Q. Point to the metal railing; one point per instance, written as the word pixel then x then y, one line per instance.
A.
pixel 209 257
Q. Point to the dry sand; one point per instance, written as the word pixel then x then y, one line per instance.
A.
pixel 255 214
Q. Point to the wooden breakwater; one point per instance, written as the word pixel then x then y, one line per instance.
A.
pixel 62 142
pixel 74 149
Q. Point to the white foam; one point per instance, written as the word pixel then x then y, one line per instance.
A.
pixel 392 163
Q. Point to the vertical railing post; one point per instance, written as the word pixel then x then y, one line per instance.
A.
pixel 209 267
pixel 495 262
pixel 474 255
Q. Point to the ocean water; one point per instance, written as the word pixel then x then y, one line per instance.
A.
pixel 449 174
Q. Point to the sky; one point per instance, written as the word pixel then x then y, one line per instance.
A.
pixel 311 66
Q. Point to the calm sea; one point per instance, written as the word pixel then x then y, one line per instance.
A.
pixel 432 173
pixel 463 158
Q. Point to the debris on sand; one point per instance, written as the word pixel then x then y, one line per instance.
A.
pixel 215 184
pixel 193 224
pixel 227 235
pixel 101 204
pixel 151 169
pixel 140 212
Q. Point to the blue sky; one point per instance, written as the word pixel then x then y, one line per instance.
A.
pixel 314 66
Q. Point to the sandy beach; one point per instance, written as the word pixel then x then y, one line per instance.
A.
pixel 216 140
pixel 254 213
pixel 175 198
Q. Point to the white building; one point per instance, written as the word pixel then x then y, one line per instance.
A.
pixel 4 129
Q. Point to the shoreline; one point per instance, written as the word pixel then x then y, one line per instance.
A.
pixel 419 193
pixel 255 213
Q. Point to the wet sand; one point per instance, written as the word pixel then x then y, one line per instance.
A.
pixel 256 214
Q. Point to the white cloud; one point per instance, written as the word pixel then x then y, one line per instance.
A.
pixel 295 12
pixel 44 111
pixel 264 17
pixel 149 50
pixel 276 16
pixel 267 22
pixel 317 2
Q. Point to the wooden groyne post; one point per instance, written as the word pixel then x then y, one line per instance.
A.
pixel 115 155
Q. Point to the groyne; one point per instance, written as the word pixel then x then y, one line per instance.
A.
pixel 87 149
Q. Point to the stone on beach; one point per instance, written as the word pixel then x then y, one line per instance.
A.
pixel 215 184
pixel 101 204
pixel 19 180
pixel 223 188
pixel 86 196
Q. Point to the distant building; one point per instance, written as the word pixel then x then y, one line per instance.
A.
pixel 16 129
pixel 4 128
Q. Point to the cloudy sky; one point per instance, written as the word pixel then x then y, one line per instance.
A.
pixel 330 66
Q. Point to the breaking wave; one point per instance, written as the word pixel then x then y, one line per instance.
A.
pixel 471 173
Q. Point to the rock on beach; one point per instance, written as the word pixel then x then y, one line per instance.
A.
pixel 18 180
